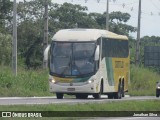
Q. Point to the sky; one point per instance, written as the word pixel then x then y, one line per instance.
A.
pixel 150 15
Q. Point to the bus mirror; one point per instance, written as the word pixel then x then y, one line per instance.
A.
pixel 97 54
pixel 46 53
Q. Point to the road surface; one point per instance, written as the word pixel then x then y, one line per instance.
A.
pixel 73 100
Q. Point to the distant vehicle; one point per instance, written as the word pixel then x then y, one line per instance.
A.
pixel 88 62
pixel 157 89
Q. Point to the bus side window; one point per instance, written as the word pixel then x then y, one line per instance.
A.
pixel 114 48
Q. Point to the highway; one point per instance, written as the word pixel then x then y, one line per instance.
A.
pixel 67 100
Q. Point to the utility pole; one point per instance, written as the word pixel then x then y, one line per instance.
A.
pixel 14 42
pixel 45 41
pixel 24 9
pixel 138 36
pixel 107 15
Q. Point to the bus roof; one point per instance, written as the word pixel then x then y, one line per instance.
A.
pixel 85 35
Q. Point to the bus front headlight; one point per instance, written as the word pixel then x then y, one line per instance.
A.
pixel 91 80
pixel 51 79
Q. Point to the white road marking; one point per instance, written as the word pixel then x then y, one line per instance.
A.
pixel 73 100
pixel 1 98
pixel 47 97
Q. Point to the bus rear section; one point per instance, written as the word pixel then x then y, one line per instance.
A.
pixel 115 66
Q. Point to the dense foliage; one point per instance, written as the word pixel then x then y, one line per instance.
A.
pixel 30 29
pixel 5 49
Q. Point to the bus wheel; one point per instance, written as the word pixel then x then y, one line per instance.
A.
pixel 98 95
pixel 157 93
pixel 123 88
pixel 81 96
pixel 110 96
pixel 59 95
pixel 118 95
pixel 84 96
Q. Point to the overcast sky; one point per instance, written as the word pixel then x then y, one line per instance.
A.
pixel 150 19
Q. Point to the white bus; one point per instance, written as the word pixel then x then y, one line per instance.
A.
pixel 86 62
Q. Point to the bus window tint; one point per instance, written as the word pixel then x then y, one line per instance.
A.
pixel 72 58
pixel 83 50
pixel 61 55
pixel 83 57
pixel 115 48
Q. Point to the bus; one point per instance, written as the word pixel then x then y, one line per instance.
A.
pixel 86 62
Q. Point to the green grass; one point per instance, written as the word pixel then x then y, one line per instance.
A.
pixel 26 83
pixel 143 81
pixel 88 109
pixel 35 82
pixel 146 105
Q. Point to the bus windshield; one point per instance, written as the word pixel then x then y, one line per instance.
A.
pixel 72 59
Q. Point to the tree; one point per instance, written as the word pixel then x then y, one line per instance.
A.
pixel 5 38
pixel 5 49
pixel 30 39
pixel 30 25
pixel 32 10
pixel 69 16
pixel 5 10
pixel 117 22
pixel 30 31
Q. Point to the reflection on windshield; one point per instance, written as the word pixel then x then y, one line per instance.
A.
pixel 72 58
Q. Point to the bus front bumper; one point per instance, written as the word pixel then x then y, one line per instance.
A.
pixel 72 88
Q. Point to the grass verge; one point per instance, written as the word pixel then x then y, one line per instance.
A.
pixel 145 105
pixel 86 110
pixel 26 83
pixel 143 81
pixel 35 82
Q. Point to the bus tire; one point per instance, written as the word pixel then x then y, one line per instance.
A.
pixel 98 95
pixel 78 96
pixel 157 93
pixel 59 95
pixel 110 96
pixel 118 95
pixel 81 96
pixel 123 93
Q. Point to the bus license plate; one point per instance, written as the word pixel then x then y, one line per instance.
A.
pixel 71 89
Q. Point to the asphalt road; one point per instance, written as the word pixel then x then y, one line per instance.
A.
pixel 73 100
